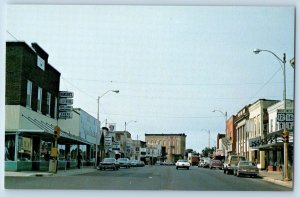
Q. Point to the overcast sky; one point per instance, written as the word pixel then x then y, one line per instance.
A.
pixel 172 65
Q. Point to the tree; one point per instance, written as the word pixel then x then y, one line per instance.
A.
pixel 208 151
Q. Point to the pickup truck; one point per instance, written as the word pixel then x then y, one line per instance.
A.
pixel 231 162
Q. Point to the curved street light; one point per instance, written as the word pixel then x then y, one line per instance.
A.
pixel 98 125
pixel 208 131
pixel 224 114
pixel 127 123
pixel 285 144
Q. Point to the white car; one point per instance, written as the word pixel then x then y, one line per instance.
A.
pixel 182 164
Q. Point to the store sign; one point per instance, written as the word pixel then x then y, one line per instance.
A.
pixel 116 145
pixel 285 116
pixel 65 105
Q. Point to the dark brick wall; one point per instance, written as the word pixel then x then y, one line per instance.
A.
pixel 21 65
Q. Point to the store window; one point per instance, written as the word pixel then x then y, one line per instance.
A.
pixel 45 150
pixel 24 149
pixel 73 149
pixel 61 152
pixel 83 152
pixel 9 147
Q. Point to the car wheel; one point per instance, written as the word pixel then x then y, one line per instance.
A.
pixel 234 173
pixel 187 168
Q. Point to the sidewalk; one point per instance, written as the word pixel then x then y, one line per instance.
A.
pixel 275 177
pixel 68 172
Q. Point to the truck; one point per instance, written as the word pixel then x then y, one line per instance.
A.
pixel 193 159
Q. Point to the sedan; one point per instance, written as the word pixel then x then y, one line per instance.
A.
pixel 246 168
pixel 124 162
pixel 213 163
pixel 109 163
pixel 182 164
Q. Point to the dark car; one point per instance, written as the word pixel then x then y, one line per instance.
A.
pixel 109 163
pixel 214 163
pixel 246 168
pixel 124 162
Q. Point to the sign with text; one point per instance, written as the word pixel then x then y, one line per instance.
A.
pixel 66 101
pixel 65 115
pixel 285 116
pixel 65 94
pixel 65 108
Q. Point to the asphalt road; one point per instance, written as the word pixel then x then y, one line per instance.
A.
pixel 147 178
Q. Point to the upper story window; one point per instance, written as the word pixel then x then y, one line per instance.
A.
pixel 29 94
pixel 48 103
pixel 39 99
pixel 40 63
pixel 55 108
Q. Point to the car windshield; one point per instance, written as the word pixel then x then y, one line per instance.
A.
pixel 182 161
pixel 109 160
pixel 246 163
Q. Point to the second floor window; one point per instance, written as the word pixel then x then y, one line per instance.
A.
pixel 48 103
pixel 39 100
pixel 29 93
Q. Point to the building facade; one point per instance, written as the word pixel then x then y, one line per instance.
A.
pixel 172 145
pixel 242 134
pixel 31 100
pixel 231 134
pixel 258 127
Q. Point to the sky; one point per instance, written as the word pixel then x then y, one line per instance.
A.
pixel 173 65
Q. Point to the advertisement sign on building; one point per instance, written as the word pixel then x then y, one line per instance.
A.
pixel 65 105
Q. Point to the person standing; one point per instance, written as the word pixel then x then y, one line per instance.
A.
pixel 79 158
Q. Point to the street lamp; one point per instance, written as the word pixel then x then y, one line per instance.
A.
pixel 285 143
pixel 208 136
pixel 224 114
pixel 96 155
pixel 127 123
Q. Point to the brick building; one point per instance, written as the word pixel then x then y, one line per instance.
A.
pixel 172 145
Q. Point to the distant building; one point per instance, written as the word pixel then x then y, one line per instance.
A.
pixel 172 145
pixel 231 134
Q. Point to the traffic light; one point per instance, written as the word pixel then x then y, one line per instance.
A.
pixel 56 132
pixel 285 136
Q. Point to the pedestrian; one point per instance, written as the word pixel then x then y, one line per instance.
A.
pixel 79 158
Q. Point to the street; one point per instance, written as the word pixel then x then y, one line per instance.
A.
pixel 147 178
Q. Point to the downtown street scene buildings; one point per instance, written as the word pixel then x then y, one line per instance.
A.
pixel 33 111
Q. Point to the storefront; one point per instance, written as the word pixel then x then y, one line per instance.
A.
pixel 30 149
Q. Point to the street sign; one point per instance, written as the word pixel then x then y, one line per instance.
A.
pixel 65 108
pixel 285 116
pixel 66 101
pixel 65 115
pixel 66 94
pixel 287 125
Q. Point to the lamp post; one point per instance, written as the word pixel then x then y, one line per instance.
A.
pixel 208 131
pixel 285 143
pixel 98 125
pixel 225 144
pixel 127 123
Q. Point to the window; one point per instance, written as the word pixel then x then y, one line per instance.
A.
pixel 40 63
pixel 29 93
pixel 39 100
pixel 55 108
pixel 48 103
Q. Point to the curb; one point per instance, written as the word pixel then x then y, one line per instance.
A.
pixel 288 184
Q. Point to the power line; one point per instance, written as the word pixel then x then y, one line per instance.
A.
pixel 12 35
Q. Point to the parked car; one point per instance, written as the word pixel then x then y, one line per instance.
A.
pixel 206 161
pixel 182 164
pixel 134 163
pixel 231 162
pixel 246 168
pixel 214 163
pixel 109 163
pixel 124 162
pixel 141 163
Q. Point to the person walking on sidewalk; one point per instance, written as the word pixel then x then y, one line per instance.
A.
pixel 79 158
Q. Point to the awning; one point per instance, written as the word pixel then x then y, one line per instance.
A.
pixel 47 132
